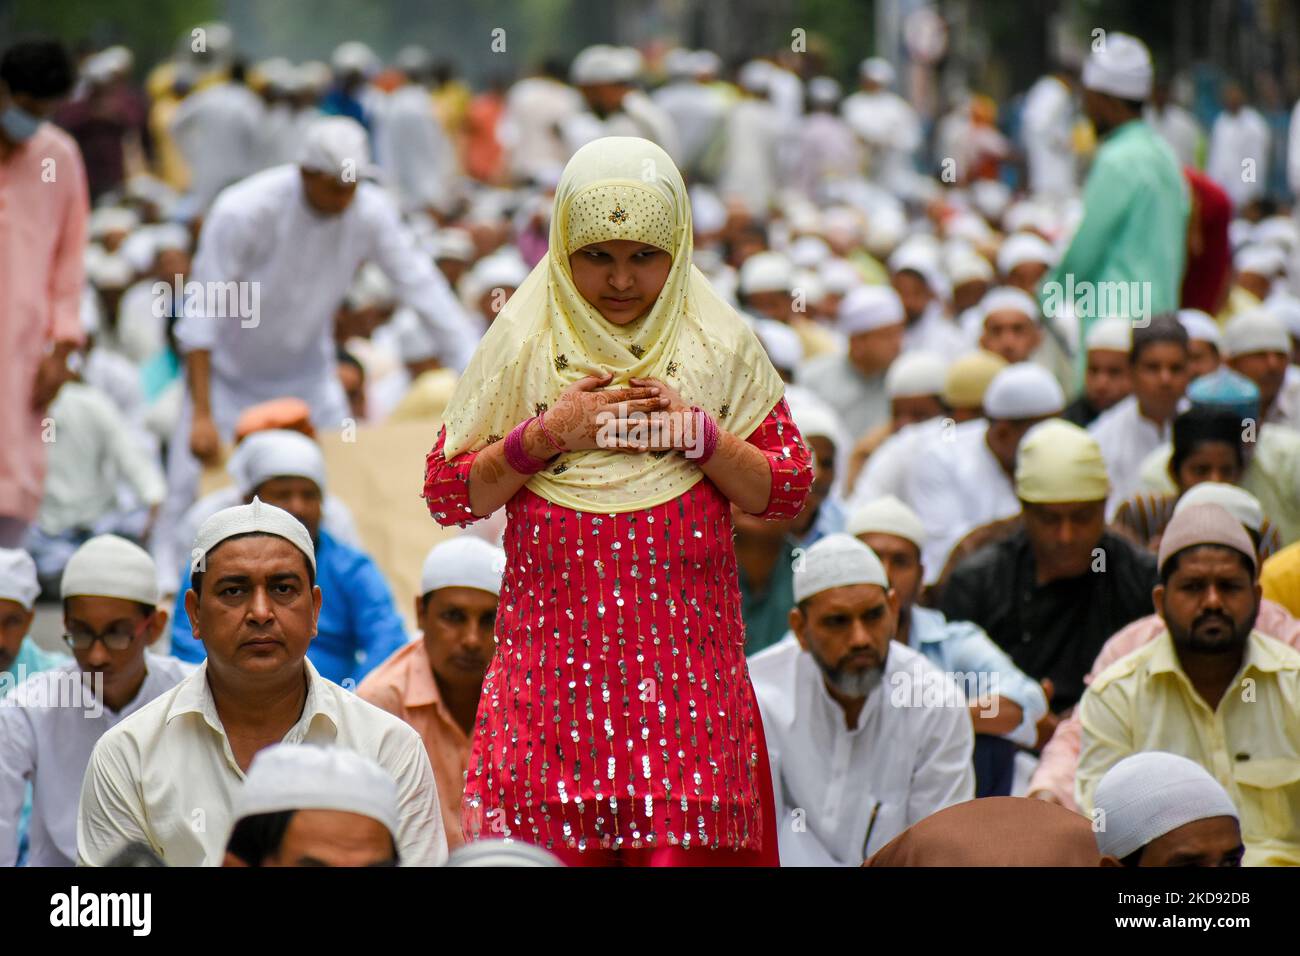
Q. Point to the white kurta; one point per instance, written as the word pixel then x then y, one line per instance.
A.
pixel 1177 127
pixel 860 401
pixel 219 132
pixel 1126 438
pixel 696 111
pixel 749 172
pixel 829 152
pixel 419 158
pixel 156 778
pixel 935 332
pixel 955 485
pixel 891 131
pixel 536 111
pixel 908 757
pixel 49 725
pixel 885 472
pixel 1046 132
pixel 1239 151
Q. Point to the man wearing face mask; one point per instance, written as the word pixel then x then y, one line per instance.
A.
pixel 43 219
pixel 865 736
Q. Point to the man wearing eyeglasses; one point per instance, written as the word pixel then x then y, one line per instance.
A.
pixel 50 723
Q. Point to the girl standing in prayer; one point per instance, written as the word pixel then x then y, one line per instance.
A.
pixel 617 724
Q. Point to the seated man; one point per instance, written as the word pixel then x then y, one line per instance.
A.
pixel 50 723
pixel 1106 379
pixel 434 683
pixel 314 806
pixel 1159 809
pixel 1005 705
pixel 1210 688
pixel 1053 779
pixel 1055 589
pixel 168 777
pixel 20 657
pixel 359 625
pixel 865 736
pixel 1010 324
pixel 964 480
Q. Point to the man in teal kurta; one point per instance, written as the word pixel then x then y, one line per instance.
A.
pixel 1136 202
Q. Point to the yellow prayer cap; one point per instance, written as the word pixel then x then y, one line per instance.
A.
pixel 969 376
pixel 1058 461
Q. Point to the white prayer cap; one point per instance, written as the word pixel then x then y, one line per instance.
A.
pixel 1122 67
pixel 1277 230
pixel 887 515
pixel 139 250
pixel 118 58
pixel 503 268
pixel 840 276
pixel 705 63
pixel 678 63
pixel 276 453
pixel 1113 334
pixel 755 76
pixel 1022 247
pixel 256 517
pixel 1149 794
pixel 1200 327
pixel 808 284
pixel 708 212
pixel 603 63
pixel 914 374
pixel 1287 308
pixel 836 561
pixel 1240 233
pixel 813 417
pixel 1258 330
pixel 991 198
pixel 1238 502
pixel 1009 299
pixel 370 287
pixel 782 343
pixel 170 235
pixel 969 227
pixel 412 337
pixel 497 853
pixel 886 227
pixel 466 561
pixel 97 69
pixel 808 252
pixel 285 777
pixel 113 271
pixel 766 272
pixel 336 145
pixel 313 75
pixel 275 72
pixel 823 91
pixel 413 58
pixel 919 256
pixel 18 577
pixel 868 308
pixel 108 219
pixel 109 566
pixel 354 57
pixel 1026 214
pixel 878 70
pixel 968 265
pixel 1262 260
pixel 1023 390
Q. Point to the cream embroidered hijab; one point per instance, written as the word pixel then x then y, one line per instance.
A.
pixel 548 336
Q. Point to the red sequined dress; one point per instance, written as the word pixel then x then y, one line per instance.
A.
pixel 617 712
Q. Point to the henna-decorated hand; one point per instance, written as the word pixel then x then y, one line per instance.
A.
pixel 583 408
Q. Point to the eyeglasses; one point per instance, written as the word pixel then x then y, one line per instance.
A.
pixel 118 638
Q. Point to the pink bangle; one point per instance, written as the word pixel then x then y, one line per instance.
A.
pixel 517 457
pixel 710 432
pixel 546 432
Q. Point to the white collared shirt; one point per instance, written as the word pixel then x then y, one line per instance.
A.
pixel 168 776
pixel 907 758
pixel 48 727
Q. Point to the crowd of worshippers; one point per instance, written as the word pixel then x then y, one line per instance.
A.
pixel 1030 569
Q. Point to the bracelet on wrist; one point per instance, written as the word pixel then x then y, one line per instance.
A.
pixel 518 457
pixel 546 432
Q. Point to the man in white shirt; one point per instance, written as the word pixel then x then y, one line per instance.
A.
pixel 695 106
pixel 218 130
pixel 917 276
pixel 1047 134
pixel 1257 345
pixel 531 132
pixel 964 480
pixel 1239 149
pixel 50 723
pixel 167 777
pixel 865 736
pixel 284 246
pixel 887 124
pixel 1176 125
pixel 1136 426
pixel 606 78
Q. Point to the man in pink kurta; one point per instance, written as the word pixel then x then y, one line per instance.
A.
pixel 1054 778
pixel 43 217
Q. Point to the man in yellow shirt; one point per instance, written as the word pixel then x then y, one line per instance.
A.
pixel 1210 688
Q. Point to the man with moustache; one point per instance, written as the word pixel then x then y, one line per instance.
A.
pixel 167 778
pixel 865 736
pixel 50 723
pixel 433 684
pixel 1210 688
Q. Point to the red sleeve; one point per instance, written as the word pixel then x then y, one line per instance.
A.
pixel 446 486
pixel 790 460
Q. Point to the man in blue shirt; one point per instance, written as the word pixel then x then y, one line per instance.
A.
pixel 359 626
pixel 1005 705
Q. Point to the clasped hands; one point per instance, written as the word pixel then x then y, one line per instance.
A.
pixel 647 415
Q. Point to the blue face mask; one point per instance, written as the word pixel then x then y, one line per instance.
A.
pixel 19 125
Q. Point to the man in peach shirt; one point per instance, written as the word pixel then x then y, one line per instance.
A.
pixel 1053 780
pixel 44 209
pixel 433 683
